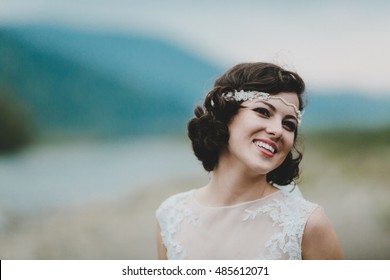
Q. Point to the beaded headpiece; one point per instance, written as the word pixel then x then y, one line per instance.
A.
pixel 250 95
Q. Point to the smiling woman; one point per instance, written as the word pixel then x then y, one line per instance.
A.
pixel 276 120
pixel 251 208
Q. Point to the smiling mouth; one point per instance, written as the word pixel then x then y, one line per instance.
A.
pixel 266 146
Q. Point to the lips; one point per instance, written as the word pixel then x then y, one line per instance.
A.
pixel 267 146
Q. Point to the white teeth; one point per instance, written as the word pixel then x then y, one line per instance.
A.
pixel 265 146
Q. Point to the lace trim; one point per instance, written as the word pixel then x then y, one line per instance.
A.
pixel 289 213
pixel 175 210
pixel 291 216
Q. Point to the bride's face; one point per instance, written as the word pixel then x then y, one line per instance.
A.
pixel 262 133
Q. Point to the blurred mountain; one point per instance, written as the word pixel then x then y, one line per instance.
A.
pixel 101 84
pixel 340 109
pixel 77 82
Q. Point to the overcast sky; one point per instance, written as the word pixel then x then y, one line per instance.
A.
pixel 332 44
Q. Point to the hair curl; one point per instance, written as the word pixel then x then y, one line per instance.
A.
pixel 208 130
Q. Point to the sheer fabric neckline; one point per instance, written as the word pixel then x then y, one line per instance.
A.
pixel 270 227
pixel 236 205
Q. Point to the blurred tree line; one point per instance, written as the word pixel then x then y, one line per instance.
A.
pixel 16 125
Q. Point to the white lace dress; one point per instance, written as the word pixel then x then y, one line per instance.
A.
pixel 267 228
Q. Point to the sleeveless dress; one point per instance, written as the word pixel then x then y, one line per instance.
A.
pixel 267 228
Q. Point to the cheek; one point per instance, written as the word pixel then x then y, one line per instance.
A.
pixel 289 141
pixel 240 124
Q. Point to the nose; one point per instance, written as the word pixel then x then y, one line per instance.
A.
pixel 274 128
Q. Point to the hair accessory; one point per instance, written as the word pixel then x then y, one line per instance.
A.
pixel 250 95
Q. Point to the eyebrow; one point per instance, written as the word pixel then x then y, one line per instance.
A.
pixel 272 107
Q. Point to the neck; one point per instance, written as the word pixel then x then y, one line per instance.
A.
pixel 229 186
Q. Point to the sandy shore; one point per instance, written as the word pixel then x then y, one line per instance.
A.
pixel 124 228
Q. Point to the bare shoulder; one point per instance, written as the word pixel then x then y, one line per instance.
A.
pixel 319 240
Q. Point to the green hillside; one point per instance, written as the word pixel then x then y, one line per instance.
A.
pixel 69 95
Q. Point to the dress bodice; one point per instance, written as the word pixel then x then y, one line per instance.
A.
pixel 267 228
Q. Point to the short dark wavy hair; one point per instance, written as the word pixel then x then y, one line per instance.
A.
pixel 208 130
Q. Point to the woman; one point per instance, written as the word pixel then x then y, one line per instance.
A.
pixel 245 135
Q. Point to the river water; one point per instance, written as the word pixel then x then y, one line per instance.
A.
pixel 68 173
